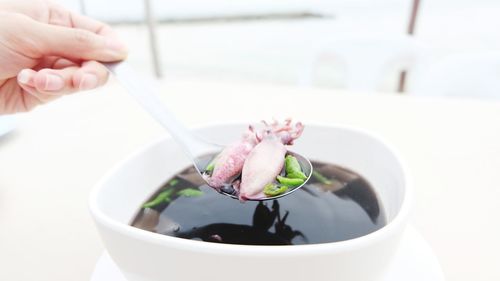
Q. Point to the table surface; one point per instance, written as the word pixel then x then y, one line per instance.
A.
pixel 59 152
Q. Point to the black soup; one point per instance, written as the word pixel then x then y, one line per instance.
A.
pixel 336 204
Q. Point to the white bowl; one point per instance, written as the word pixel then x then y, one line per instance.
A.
pixel 147 256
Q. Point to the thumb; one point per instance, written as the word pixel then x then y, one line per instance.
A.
pixel 78 44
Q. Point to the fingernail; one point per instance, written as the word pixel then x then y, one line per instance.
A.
pixel 24 76
pixel 88 81
pixel 115 44
pixel 53 82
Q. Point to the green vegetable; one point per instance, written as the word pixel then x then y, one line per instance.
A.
pixel 271 189
pixel 190 192
pixel 322 179
pixel 292 165
pixel 293 169
pixel 210 167
pixel 290 182
pixel 300 175
pixel 162 197
pixel 173 182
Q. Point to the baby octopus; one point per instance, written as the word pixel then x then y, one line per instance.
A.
pixel 256 160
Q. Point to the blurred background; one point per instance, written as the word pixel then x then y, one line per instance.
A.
pixel 357 44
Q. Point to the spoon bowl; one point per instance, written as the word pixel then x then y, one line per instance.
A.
pixel 304 163
pixel 192 145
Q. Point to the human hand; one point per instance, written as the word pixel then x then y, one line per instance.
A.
pixel 47 51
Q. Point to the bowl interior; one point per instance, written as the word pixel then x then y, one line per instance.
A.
pixel 129 184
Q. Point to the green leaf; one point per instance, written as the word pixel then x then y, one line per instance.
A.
pixel 173 182
pixel 190 192
pixel 162 197
pixel 322 179
pixel 290 182
pixel 271 190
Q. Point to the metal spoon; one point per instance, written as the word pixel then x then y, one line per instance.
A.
pixel 196 149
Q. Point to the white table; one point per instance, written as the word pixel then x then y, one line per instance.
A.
pixel 48 166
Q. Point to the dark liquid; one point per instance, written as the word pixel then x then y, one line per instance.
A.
pixel 346 207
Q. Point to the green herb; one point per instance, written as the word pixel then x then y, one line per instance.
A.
pixel 271 189
pixel 322 179
pixel 190 192
pixel 162 197
pixel 173 182
pixel 290 182
pixel 293 169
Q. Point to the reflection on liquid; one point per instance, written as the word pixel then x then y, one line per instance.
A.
pixel 258 233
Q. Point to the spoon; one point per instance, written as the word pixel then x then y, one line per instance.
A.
pixel 198 150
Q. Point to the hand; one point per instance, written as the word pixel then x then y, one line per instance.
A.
pixel 47 51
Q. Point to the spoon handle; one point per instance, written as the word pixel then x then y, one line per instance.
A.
pixel 144 94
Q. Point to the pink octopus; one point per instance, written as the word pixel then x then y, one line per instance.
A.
pixel 258 156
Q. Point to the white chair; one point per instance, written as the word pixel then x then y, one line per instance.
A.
pixel 366 60
pixel 460 75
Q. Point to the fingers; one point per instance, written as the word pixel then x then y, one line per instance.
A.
pixel 48 84
pixel 50 29
pixel 26 80
pixel 55 81
pixel 78 44
pixel 91 75
pixel 90 24
pixel 60 16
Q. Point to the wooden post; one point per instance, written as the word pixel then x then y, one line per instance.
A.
pixel 151 24
pixel 410 31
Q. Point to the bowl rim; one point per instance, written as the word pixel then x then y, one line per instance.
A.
pixel 392 227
